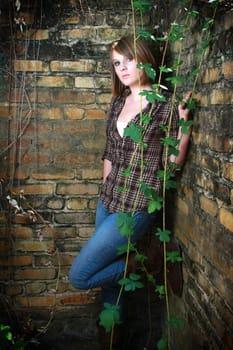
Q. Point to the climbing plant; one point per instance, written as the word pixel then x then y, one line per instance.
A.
pixel 176 32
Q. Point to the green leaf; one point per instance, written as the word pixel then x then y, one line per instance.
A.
pixel 122 249
pixel 176 32
pixel 175 322
pixel 134 132
pixel 159 86
pixel 167 175
pixel 150 278
pixel 146 118
pixel 164 235
pixel 164 128
pixel 131 283
pixel 144 34
pixel 153 206
pixel 142 5
pixel 140 257
pixel 126 172
pixel 176 80
pixel 160 289
pixel 148 69
pixel 191 104
pixel 173 151
pixel 162 344
pixel 109 316
pixel 121 189
pixel 176 64
pixel 125 224
pixel 149 192
pixel 165 69
pixel 194 72
pixel 152 96
pixel 173 256
pixel 169 141
pixel 185 125
pixel 208 24
pixel 193 13
pixel 162 38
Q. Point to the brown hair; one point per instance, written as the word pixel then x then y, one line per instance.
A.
pixel 139 51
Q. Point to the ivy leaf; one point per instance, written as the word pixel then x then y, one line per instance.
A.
pixel 144 34
pixel 169 141
pixel 159 86
pixel 191 103
pixel 164 235
pixel 152 96
pixel 121 189
pixel 153 206
pixel 165 69
pixel 109 316
pixel 176 80
pixel 126 172
pixel 167 175
pixel 125 224
pixel 193 13
pixel 185 125
pixel 142 5
pixel 175 322
pixel 134 132
pixel 176 32
pixel 148 69
pixel 162 344
pixel 160 289
pixel 122 249
pixel 208 24
pixel 150 278
pixel 173 151
pixel 173 256
pixel 164 128
pixel 140 257
pixel 176 64
pixel 194 72
pixel 131 283
pixel 162 38
pixel 146 118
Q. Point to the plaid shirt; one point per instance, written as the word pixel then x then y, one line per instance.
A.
pixel 120 150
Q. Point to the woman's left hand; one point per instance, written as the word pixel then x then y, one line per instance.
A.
pixel 183 110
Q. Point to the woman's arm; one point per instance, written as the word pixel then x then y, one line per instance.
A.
pixel 107 167
pixel 183 138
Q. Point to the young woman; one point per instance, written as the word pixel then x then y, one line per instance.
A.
pixel 99 264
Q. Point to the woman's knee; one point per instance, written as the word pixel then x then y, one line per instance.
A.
pixel 77 281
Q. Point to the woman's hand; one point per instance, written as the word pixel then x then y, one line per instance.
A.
pixel 182 108
pixel 183 138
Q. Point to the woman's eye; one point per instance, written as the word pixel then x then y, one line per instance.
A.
pixel 116 63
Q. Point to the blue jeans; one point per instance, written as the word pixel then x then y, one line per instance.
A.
pixel 98 264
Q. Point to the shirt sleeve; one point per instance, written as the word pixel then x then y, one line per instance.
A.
pixel 108 144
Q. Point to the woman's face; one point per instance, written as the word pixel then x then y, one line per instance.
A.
pixel 126 69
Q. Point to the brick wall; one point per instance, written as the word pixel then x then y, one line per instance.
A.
pixel 202 213
pixel 54 97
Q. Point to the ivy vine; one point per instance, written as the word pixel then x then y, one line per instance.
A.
pixel 177 32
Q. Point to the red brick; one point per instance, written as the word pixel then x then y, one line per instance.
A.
pixel 17 260
pixel 35 302
pixel 34 274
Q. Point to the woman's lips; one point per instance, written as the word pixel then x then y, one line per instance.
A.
pixel 125 76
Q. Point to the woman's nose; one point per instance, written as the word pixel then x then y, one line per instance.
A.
pixel 123 66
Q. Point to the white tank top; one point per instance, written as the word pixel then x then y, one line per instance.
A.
pixel 120 127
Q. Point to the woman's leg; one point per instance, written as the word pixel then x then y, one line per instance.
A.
pixel 98 264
